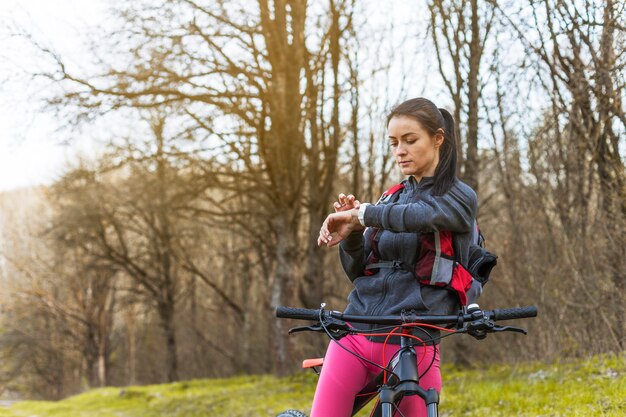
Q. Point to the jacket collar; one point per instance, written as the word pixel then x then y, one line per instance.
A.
pixel 424 182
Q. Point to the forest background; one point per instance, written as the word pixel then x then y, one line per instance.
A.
pixel 231 127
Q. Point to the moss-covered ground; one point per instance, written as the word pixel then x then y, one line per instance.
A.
pixel 593 387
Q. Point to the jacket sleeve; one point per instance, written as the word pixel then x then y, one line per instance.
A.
pixel 352 255
pixel 454 211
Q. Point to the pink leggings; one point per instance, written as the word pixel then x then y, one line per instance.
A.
pixel 344 375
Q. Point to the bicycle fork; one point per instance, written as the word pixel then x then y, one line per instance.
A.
pixel 406 383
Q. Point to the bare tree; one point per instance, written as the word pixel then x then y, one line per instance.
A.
pixel 62 306
pixel 460 31
pixel 128 225
pixel 246 66
pixel 581 67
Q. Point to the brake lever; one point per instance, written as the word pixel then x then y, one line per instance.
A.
pixel 337 327
pixel 478 329
pixel 314 328
pixel 509 329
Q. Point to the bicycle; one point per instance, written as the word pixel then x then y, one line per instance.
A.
pixel 400 377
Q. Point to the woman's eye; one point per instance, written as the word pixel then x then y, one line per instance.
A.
pixel 393 144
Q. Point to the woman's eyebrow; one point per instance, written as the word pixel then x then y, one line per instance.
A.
pixel 405 135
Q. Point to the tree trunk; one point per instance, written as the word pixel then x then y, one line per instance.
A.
pixel 166 313
pixel 90 353
pixel 102 369
pixel 321 175
pixel 471 164
pixel 131 364
pixel 285 278
pixel 312 289
pixel 611 168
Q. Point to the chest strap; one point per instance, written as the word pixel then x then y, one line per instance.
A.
pixel 391 265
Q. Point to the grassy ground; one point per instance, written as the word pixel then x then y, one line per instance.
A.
pixel 595 387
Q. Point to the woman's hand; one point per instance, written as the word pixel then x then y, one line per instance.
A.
pixel 338 226
pixel 345 203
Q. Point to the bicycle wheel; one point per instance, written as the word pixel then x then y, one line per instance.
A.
pixel 291 413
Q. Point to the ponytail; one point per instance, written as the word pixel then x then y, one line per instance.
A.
pixel 445 173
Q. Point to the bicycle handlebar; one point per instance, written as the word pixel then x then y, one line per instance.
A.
pixel 297 313
pixel 496 315
pixel 514 313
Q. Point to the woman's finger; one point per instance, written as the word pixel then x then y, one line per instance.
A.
pixel 322 236
pixel 324 232
pixel 321 240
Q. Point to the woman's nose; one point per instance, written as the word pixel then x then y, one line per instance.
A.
pixel 400 149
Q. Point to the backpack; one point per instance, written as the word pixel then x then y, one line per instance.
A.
pixel 437 264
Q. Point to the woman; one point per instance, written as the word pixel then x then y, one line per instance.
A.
pixel 382 261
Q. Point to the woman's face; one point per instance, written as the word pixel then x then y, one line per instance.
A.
pixel 416 151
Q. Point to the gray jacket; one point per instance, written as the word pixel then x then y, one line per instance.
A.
pixel 390 291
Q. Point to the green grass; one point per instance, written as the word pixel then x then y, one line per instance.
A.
pixel 595 387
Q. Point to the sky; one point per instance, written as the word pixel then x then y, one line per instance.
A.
pixel 32 148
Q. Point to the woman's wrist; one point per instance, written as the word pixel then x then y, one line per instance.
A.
pixel 355 219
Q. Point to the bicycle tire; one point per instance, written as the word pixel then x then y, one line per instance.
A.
pixel 291 413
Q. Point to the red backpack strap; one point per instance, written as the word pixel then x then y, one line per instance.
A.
pixel 394 189
pixel 391 191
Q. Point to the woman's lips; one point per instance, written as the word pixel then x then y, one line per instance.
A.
pixel 403 163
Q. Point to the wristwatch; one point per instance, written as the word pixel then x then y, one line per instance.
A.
pixel 361 216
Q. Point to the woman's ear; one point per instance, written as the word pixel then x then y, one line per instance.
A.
pixel 439 138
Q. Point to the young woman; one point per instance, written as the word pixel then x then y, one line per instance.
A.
pixel 381 262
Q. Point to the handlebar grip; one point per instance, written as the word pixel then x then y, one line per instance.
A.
pixel 297 313
pixel 515 313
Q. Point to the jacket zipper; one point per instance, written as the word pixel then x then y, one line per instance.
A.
pixel 382 298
